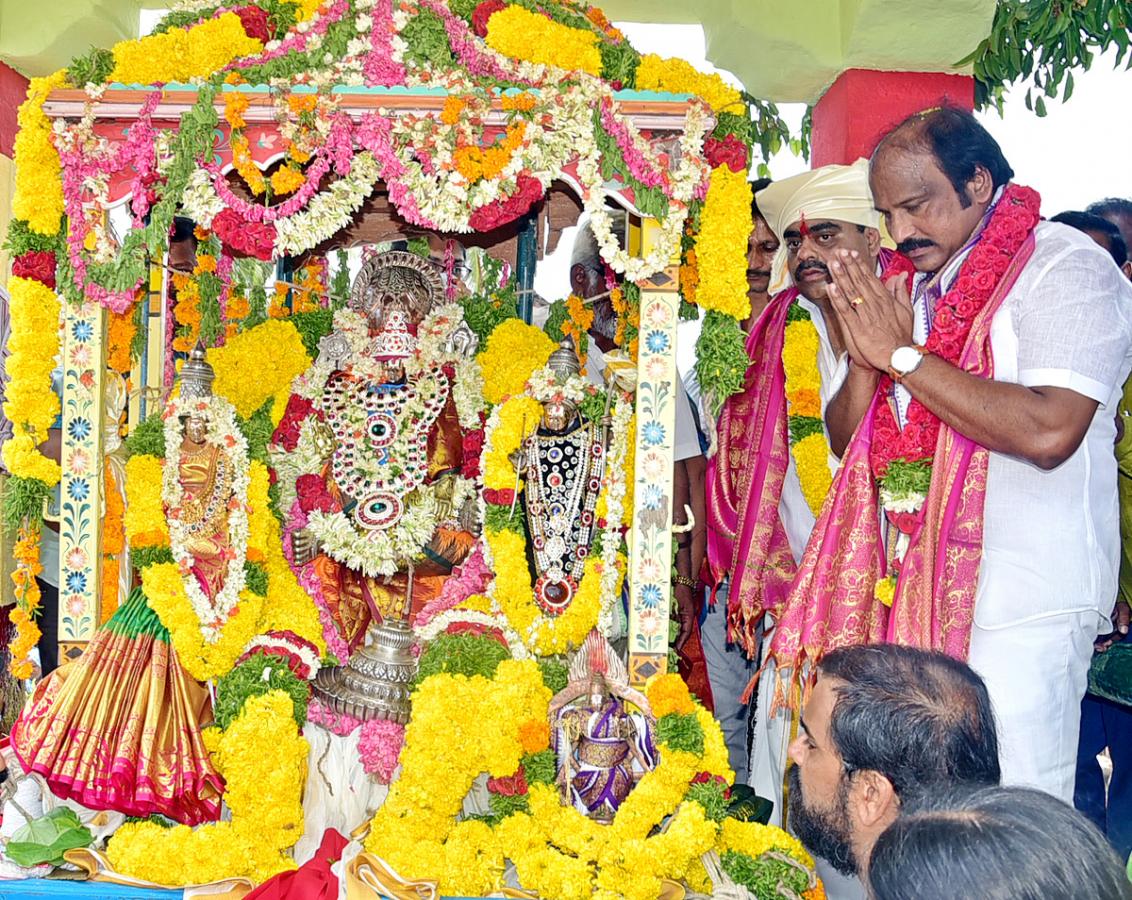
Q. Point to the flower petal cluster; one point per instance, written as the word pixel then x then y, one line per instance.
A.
pixel 514 350
pixel 521 34
pixel 258 364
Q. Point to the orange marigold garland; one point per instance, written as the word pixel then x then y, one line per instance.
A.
pixel 311 289
pixel 113 543
pixel 120 332
pixel 26 554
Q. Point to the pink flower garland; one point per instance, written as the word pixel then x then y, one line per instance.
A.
pixel 138 150
pixel 470 577
pixel 631 150
pixel 466 45
pixel 379 743
pixel 375 134
pixel 379 68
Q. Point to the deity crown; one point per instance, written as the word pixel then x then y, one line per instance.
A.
pixel 196 374
pixel 395 341
pixel 564 362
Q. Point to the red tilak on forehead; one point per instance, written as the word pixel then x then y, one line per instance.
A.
pixel 803 228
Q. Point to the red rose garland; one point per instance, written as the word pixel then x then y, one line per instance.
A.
pixel 1010 224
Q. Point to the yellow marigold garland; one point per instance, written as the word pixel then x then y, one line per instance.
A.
pixel 524 35
pixel 754 840
pixel 514 350
pixel 38 195
pixel 679 77
pixel 30 404
pixel 180 54
pixel 416 828
pixel 803 399
pixel 263 760
pixel 164 587
pixel 721 246
pixel 258 364
pixel 145 522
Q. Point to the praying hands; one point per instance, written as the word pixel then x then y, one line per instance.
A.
pixel 875 317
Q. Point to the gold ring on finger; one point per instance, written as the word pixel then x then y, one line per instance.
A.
pixel 857 301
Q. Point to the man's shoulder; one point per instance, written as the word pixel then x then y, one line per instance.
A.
pixel 1053 240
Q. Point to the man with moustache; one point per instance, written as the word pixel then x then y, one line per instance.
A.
pixel 758 515
pixel 883 727
pixel 975 509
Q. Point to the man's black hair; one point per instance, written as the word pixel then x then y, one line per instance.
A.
pixel 759 184
pixel 919 718
pixel 994 843
pixel 1087 221
pixel 1111 206
pixel 957 141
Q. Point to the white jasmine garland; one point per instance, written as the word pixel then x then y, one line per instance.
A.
pixel 222 433
pixel 329 211
pixel 615 489
pixel 378 552
pixel 440 623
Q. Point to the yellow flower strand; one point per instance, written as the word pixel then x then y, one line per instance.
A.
pixel 30 403
pixel 524 35
pixel 258 364
pixel 39 185
pixel 263 760
pixel 183 53
pixel 803 398
pixel 514 350
pixel 721 247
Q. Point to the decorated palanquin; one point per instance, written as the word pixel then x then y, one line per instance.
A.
pixel 374 558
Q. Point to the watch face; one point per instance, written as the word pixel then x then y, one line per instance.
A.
pixel 905 359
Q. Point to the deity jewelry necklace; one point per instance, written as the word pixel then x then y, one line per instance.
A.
pixel 564 475
pixel 200 513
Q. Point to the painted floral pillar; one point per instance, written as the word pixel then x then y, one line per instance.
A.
pixel 80 498
pixel 650 539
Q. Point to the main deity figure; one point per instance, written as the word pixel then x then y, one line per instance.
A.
pixel 384 495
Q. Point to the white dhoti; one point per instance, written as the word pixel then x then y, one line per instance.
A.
pixel 770 744
pixel 1036 673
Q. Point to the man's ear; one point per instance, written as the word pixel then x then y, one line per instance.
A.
pixel 578 279
pixel 1127 269
pixel 980 189
pixel 872 238
pixel 873 800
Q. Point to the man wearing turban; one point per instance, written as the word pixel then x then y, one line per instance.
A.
pixel 773 466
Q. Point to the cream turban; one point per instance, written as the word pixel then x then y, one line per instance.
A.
pixel 831 192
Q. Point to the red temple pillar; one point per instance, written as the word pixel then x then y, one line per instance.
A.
pixel 13 88
pixel 863 104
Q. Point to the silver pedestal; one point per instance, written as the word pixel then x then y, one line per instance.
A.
pixel 375 683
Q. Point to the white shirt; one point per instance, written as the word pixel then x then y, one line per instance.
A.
pixel 1051 540
pixel 797 518
pixel 687 438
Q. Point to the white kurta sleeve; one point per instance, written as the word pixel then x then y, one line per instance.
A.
pixel 1074 323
